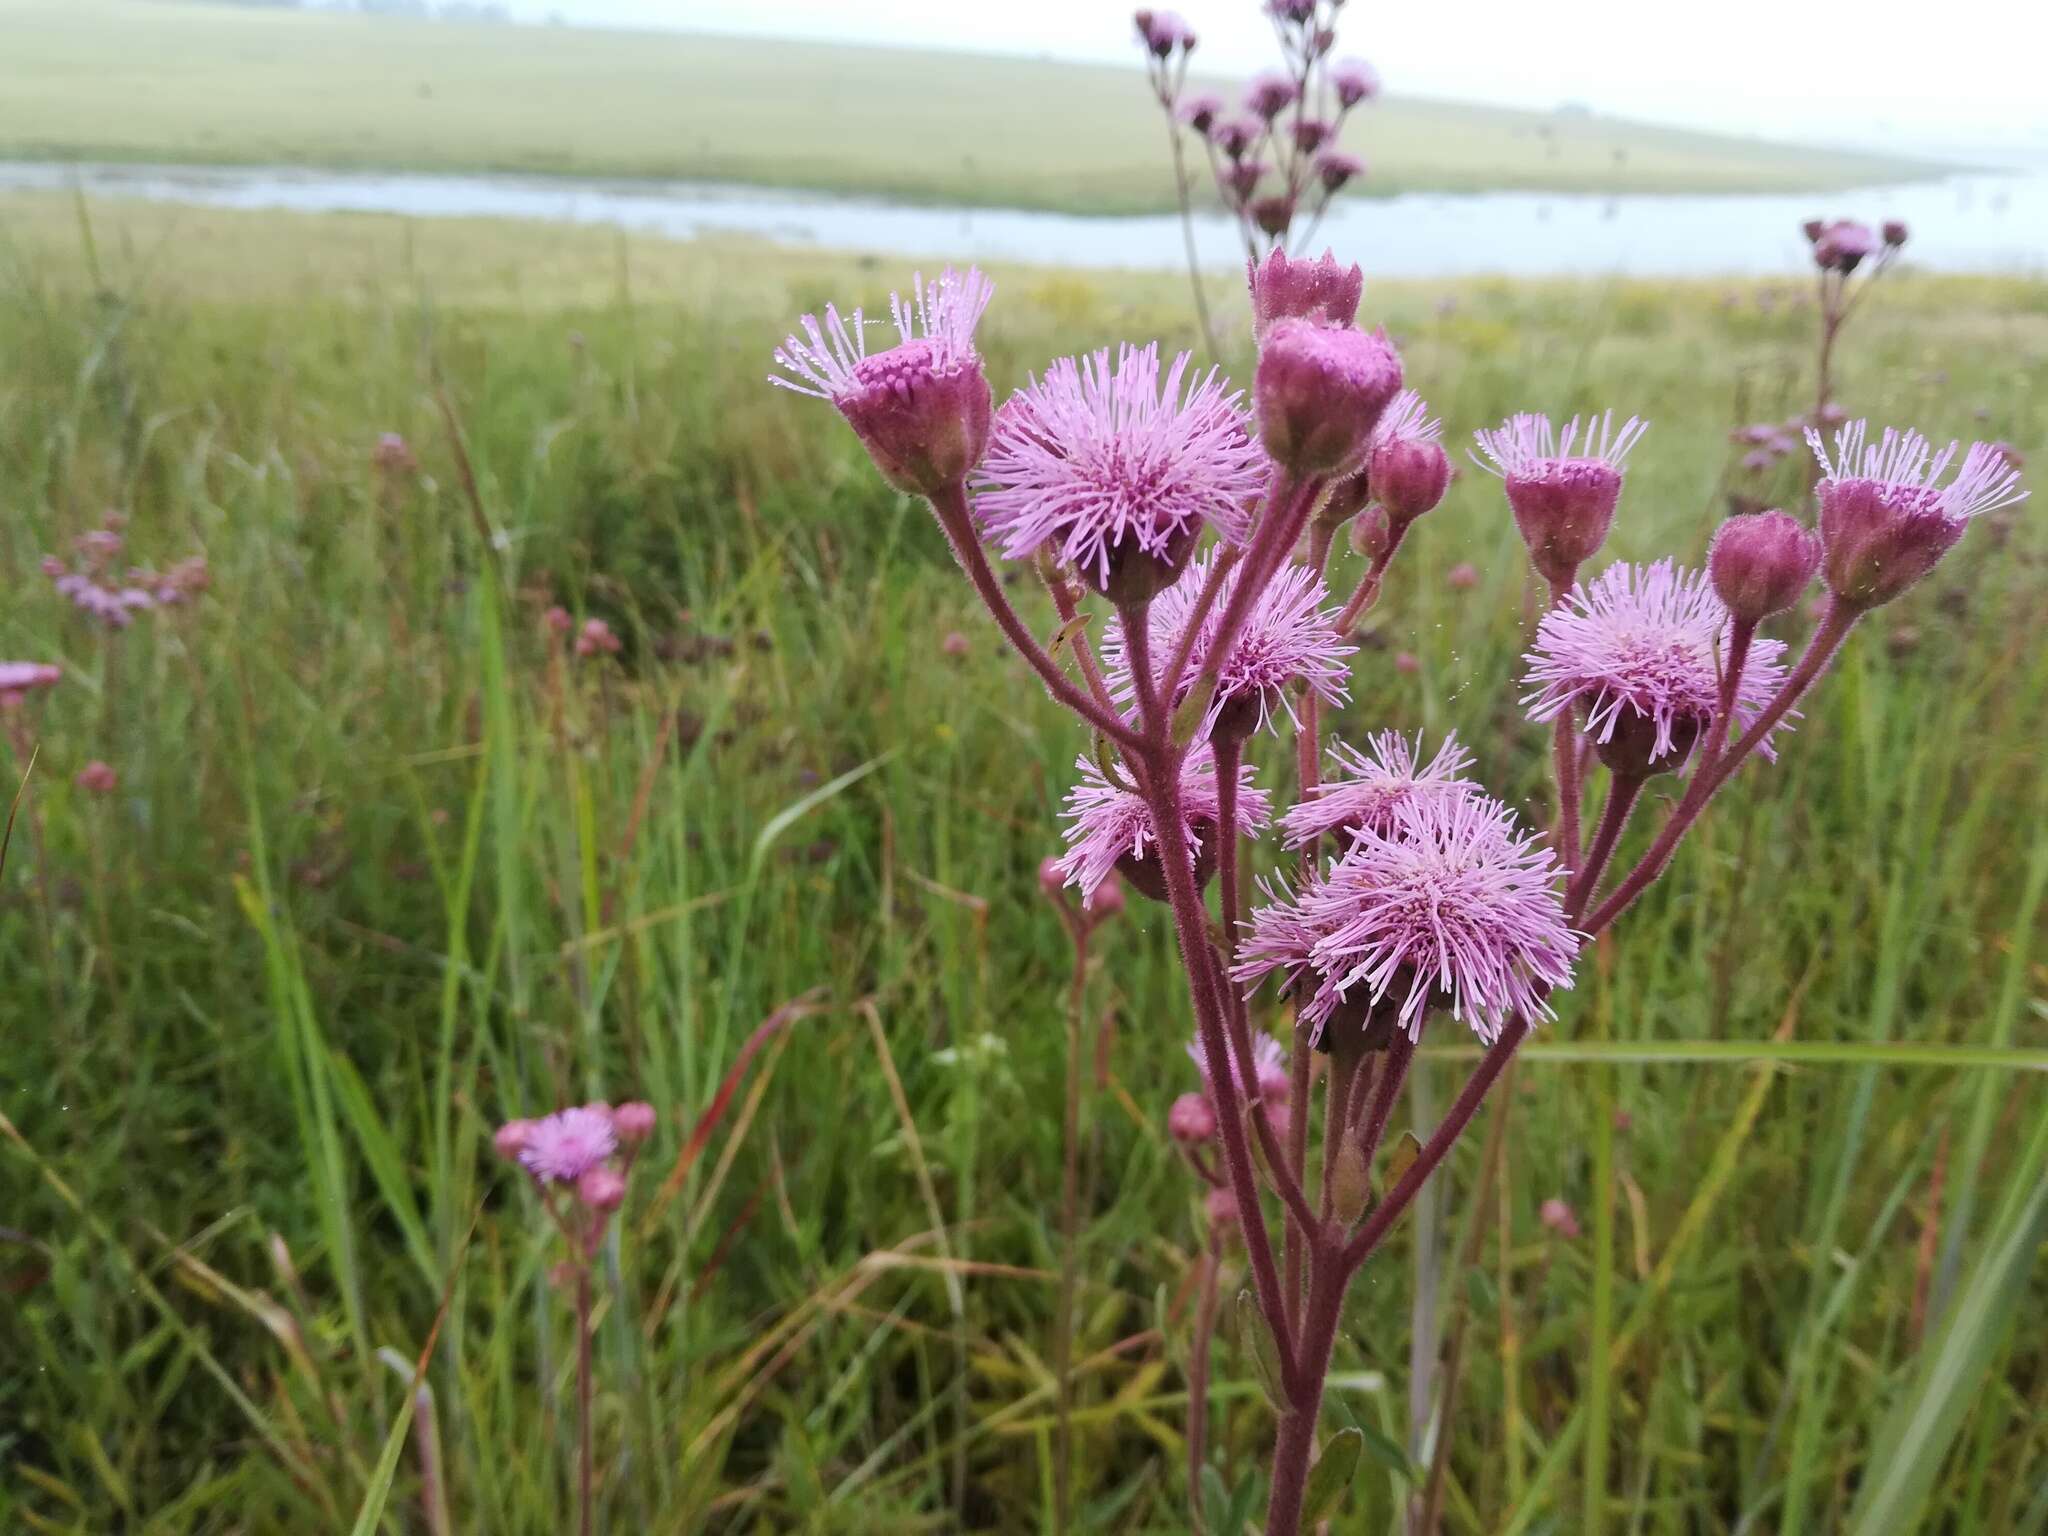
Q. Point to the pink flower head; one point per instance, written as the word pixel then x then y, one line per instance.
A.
pixel 1354 81
pixel 1202 112
pixel 393 455
pixel 1117 470
pixel 1559 1218
pixel 513 1137
pixel 556 620
pixel 634 1121
pixel 1364 789
pixel 1110 828
pixel 1269 1068
pixel 1163 31
pixel 1884 523
pixel 1406 469
pixel 597 639
pixel 18 679
pixel 1319 392
pixel 1192 1119
pixel 1289 636
pixel 1334 168
pixel 1269 96
pixel 602 1188
pixel 1311 134
pixel 1462 577
pixel 1842 245
pixel 1241 177
pixel 97 778
pixel 922 406
pixel 564 1146
pixel 1563 500
pixel 1453 906
pixel 1235 135
pixel 1273 213
pixel 1641 650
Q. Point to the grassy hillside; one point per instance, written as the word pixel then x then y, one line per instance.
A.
pixel 156 80
pixel 373 839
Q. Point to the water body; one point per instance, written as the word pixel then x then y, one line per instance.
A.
pixel 1979 222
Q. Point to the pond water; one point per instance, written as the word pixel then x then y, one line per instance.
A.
pixel 1978 222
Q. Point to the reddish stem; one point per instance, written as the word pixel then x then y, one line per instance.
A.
pixel 950 506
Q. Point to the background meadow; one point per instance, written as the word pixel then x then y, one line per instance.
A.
pixel 386 866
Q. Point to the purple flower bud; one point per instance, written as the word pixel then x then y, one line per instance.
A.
pixel 602 1189
pixel 634 1121
pixel 1221 1207
pixel 1563 501
pixel 1558 1217
pixel 1269 96
pixel 1842 245
pixel 597 639
pixel 1894 232
pixel 97 778
pixel 1236 135
pixel 1372 534
pixel 1241 177
pixel 1462 577
pixel 1294 11
pixel 1354 81
pixel 556 620
pixel 1319 392
pixel 1192 1119
pixel 1052 878
pixel 1409 476
pixel 513 1137
pixel 1319 290
pixel 955 643
pixel 1407 663
pixel 922 408
pixel 1201 113
pixel 1274 215
pixel 1761 562
pixel 1884 521
pixel 1335 168
pixel 1311 134
pixel 1105 901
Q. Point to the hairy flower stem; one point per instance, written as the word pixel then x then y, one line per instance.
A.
pixel 1386 1089
pixel 1621 799
pixel 1708 780
pixel 950 507
pixel 1740 633
pixel 1190 925
pixel 1187 231
pixel 1070 1238
pixel 1294 1446
pixel 1441 1140
pixel 1565 764
pixel 1066 605
pixel 1198 1374
pixel 584 1525
pixel 1288 504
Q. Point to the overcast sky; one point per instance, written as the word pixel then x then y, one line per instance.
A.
pixel 1962 75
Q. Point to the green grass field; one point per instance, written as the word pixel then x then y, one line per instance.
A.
pixel 165 80
pixel 380 874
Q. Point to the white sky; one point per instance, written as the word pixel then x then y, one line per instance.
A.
pixel 1960 75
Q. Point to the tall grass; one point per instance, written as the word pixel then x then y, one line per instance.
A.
pixel 381 873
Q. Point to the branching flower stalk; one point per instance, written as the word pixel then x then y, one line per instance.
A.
pixel 1276 162
pixel 1417 895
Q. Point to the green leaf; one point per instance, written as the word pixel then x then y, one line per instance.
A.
pixel 1192 710
pixel 1382 1448
pixel 1259 1343
pixel 1215 1502
pixel 1331 1477
pixel 1915 1440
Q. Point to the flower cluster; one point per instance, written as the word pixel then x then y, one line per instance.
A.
pixel 1414 892
pixel 1277 158
pixel 589 1148
pixel 96 588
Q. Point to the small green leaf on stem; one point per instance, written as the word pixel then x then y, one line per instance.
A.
pixel 1332 1475
pixel 1192 710
pixel 1068 630
pixel 1258 1340
pixel 1401 1157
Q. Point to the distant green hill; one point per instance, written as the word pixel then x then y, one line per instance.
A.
pixel 166 80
